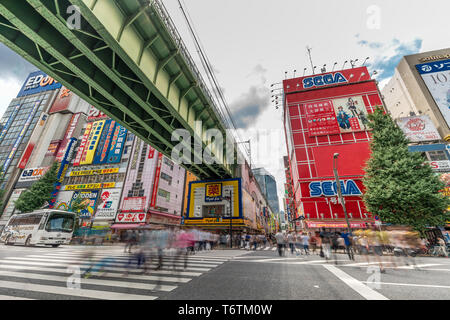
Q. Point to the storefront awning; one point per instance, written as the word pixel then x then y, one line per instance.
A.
pixel 354 225
pixel 127 225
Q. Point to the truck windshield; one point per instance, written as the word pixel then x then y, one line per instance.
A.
pixel 59 222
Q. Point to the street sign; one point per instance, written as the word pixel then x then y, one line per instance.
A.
pixel 377 218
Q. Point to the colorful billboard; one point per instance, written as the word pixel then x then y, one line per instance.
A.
pixel 64 165
pixel 229 187
pixel 89 186
pixel 82 146
pixel 436 76
pixel 418 128
pixel 38 82
pixel 67 135
pixel 91 199
pixel 108 204
pixel 63 200
pixel 117 144
pixel 93 140
pixel 62 101
pixel 336 116
pixel 105 140
pixel 92 172
pixel 213 192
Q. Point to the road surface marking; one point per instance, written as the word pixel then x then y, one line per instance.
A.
pixel 358 286
pixel 98 282
pixel 110 274
pixel 197 263
pixel 17 261
pixel 85 293
pixel 72 261
pixel 411 285
pixel 13 298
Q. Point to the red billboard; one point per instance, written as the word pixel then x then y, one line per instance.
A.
pixel 62 101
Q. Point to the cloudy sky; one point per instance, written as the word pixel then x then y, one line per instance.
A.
pixel 252 43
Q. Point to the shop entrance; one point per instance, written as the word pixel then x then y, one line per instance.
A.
pixel 213 211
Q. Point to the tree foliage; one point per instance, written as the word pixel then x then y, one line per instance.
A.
pixel 400 188
pixel 40 192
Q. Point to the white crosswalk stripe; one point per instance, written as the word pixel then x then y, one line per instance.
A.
pixel 46 274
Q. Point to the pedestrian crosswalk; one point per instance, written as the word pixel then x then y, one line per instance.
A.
pixel 59 274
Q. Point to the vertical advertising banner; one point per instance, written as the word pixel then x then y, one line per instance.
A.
pixel 82 145
pixel 8 122
pixel 105 140
pixel 156 180
pixel 108 204
pixel 67 135
pixel 91 146
pixel 62 171
pixel 117 144
pixel 436 76
pixel 88 197
pixel 21 135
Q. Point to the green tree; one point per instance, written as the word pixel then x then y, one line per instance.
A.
pixel 40 192
pixel 400 188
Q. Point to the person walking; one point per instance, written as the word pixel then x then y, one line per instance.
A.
pixel 325 237
pixel 348 244
pixel 279 237
pixel 305 242
pixel 290 240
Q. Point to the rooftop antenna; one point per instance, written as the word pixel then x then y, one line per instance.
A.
pixel 310 59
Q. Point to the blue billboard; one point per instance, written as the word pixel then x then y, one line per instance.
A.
pixel 104 142
pixel 38 82
pixel 117 143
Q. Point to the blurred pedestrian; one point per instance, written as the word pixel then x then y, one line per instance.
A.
pixel 348 244
pixel 305 242
pixel 290 240
pixel 279 237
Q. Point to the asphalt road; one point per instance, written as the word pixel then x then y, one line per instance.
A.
pixel 51 274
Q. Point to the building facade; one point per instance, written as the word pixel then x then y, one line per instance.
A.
pixel 326 114
pixel 421 86
pixel 268 186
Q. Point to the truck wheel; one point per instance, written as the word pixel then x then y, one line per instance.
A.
pixel 55 245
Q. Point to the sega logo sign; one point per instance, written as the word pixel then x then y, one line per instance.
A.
pixel 38 82
pixel 324 80
pixel 329 188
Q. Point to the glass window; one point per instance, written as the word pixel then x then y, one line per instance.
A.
pixel 438 155
pixel 60 223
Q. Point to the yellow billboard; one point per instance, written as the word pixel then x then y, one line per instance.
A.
pixel 92 172
pixel 104 185
pixel 209 193
pixel 94 137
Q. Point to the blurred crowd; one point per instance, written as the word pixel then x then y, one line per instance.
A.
pixel 367 243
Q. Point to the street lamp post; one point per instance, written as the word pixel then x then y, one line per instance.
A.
pixel 228 198
pixel 338 185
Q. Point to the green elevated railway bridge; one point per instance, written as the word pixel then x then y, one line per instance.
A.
pixel 127 59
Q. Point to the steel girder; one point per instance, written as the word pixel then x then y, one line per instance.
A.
pixel 85 62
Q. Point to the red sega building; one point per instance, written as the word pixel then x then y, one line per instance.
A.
pixel 326 114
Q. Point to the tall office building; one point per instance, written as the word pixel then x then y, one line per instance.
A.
pixel 421 86
pixel 268 186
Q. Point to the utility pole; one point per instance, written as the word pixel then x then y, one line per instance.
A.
pixel 338 185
